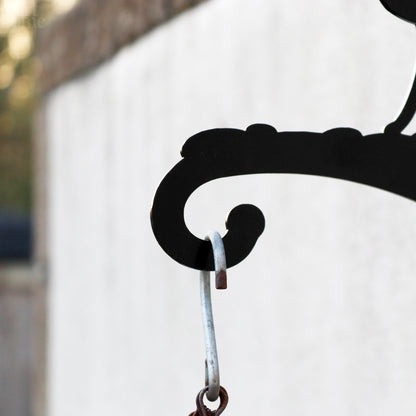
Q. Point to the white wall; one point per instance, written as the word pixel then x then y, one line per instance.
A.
pixel 320 318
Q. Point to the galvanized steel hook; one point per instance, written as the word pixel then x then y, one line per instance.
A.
pixel 212 371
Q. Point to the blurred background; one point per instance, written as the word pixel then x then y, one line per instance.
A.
pixel 19 20
pixel 19 68
pixel 21 304
pixel 96 99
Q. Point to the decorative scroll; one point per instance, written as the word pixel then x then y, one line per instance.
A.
pixel 385 160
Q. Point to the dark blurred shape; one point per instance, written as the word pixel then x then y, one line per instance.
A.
pixel 405 9
pixel 15 236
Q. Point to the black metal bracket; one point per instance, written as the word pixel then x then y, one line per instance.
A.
pixel 384 160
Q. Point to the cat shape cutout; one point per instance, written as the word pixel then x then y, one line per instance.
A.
pixel 382 160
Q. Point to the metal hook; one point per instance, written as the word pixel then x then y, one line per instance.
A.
pixel 219 259
pixel 212 371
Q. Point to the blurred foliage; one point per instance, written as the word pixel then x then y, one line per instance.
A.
pixel 19 19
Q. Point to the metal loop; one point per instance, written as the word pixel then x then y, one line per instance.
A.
pixel 202 410
pixel 212 371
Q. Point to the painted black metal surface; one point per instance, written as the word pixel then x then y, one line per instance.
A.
pixel 384 160
pixel 405 9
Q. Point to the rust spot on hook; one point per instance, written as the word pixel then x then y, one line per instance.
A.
pixel 221 279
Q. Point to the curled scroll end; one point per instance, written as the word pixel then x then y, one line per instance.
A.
pixel 245 224
pixel 404 9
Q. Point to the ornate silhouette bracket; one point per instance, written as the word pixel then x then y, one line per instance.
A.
pixel 385 160
pixel 404 9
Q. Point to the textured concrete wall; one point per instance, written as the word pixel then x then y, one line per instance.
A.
pixel 319 320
